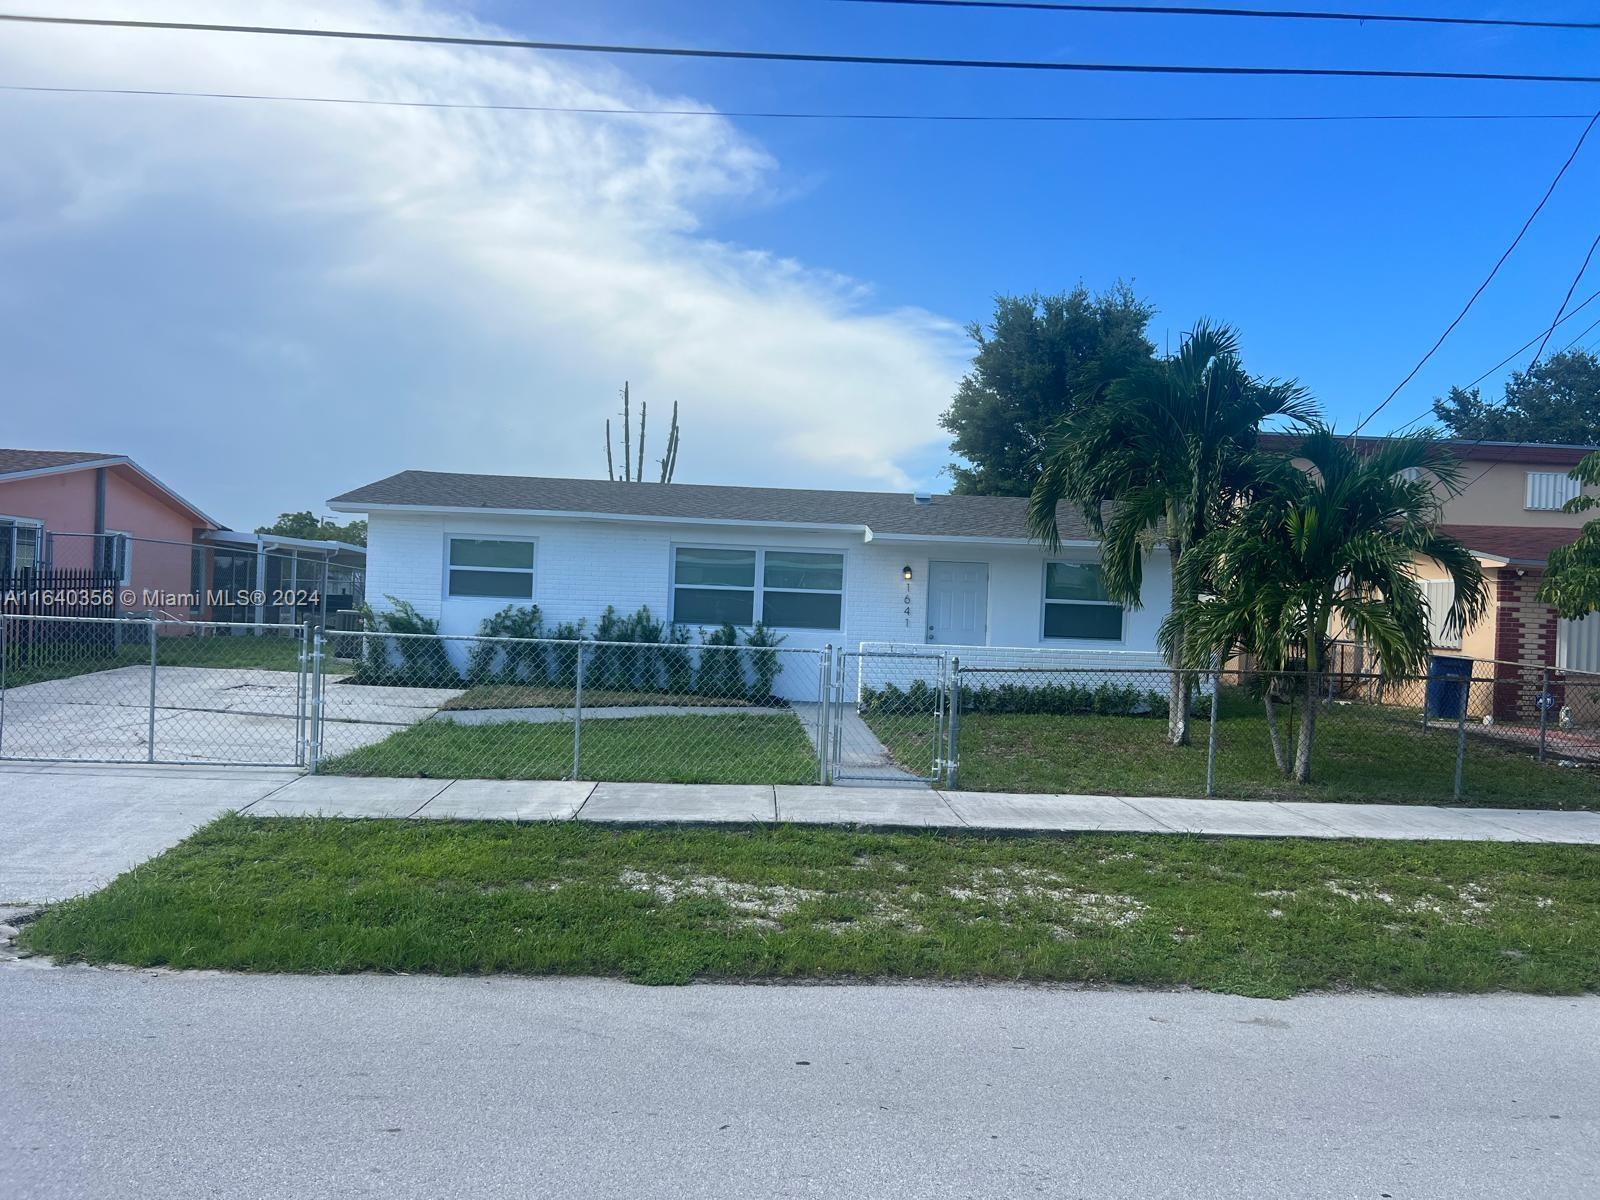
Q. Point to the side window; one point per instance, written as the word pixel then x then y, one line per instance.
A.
pixel 500 569
pixel 1549 490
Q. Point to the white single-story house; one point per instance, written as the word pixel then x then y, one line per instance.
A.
pixel 821 567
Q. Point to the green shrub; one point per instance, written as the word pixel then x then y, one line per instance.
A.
pixel 721 672
pixel 564 656
pixel 765 663
pixel 423 661
pixel 1062 699
pixel 677 661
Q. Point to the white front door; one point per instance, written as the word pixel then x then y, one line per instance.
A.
pixel 958 603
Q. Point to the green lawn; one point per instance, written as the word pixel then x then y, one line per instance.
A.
pixel 1258 917
pixel 271 653
pixel 1361 753
pixel 720 748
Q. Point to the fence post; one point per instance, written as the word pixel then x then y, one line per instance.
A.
pixel 824 720
pixel 1544 708
pixel 300 696
pixel 577 714
pixel 150 738
pixel 1211 736
pixel 318 662
pixel 952 757
pixel 5 654
pixel 1461 734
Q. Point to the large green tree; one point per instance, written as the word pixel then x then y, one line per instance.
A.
pixel 308 525
pixel 1165 453
pixel 1328 548
pixel 1571 580
pixel 1040 357
pixel 1557 400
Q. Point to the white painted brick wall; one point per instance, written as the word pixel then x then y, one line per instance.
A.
pixel 581 566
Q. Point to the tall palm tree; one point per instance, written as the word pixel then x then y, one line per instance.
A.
pixel 1162 454
pixel 1332 546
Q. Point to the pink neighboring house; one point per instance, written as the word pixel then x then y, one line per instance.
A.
pixel 73 509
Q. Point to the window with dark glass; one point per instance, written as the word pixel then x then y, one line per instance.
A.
pixel 491 568
pixel 787 589
pixel 1076 606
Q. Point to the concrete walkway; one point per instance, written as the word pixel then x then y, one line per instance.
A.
pixel 904 808
pixel 70 828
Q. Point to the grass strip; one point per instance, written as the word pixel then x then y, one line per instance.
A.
pixel 714 748
pixel 1256 917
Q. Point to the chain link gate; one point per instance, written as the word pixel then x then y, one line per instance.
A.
pixel 125 689
pixel 886 717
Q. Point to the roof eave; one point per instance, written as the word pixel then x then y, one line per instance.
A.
pixel 563 514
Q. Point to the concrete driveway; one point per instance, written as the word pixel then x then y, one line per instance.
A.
pixel 202 715
pixel 67 829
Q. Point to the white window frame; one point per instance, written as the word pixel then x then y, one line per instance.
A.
pixel 125 540
pixel 1444 590
pixel 759 587
pixel 10 525
pixel 532 572
pixel 1045 602
pixel 1567 488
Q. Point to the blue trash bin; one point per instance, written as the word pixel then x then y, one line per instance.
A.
pixel 1448 678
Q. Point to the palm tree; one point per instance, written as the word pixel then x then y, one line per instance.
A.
pixel 1163 453
pixel 1333 545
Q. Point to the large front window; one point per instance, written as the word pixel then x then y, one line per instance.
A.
pixel 787 589
pixel 1076 606
pixel 491 568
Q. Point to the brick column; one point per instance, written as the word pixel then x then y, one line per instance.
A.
pixel 1524 634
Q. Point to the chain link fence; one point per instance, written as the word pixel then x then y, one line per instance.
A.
pixel 363 702
pixel 544 708
pixel 1493 734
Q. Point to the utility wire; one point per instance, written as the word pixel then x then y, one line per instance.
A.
pixel 1500 262
pixel 1272 14
pixel 804 116
pixel 1589 329
pixel 1565 300
pixel 1571 312
pixel 880 60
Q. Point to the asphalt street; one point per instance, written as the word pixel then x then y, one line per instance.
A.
pixel 122 1084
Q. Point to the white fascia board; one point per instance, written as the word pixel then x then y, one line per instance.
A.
pixel 960 539
pixel 564 514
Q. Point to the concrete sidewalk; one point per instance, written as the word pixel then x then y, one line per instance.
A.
pixel 908 808
pixel 67 828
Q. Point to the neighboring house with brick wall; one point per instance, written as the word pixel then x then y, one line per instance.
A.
pixel 1509 513
pixel 820 567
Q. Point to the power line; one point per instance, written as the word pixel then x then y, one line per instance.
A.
pixel 1500 262
pixel 1571 287
pixel 805 116
pixel 880 60
pixel 1572 312
pixel 1275 14
pixel 1582 335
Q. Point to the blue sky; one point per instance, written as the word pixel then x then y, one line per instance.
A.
pixel 267 304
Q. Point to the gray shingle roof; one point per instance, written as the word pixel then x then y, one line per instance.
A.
pixel 883 512
pixel 38 460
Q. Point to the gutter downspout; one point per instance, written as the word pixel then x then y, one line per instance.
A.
pixel 99 517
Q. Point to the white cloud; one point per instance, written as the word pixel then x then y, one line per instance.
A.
pixel 461 290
